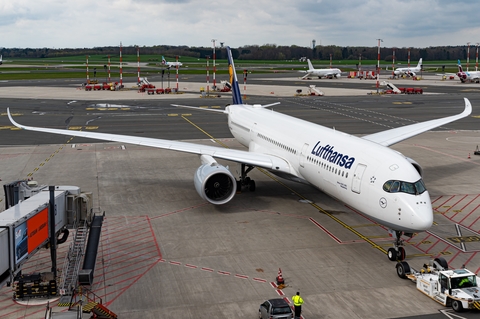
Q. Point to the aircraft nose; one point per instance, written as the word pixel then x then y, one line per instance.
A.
pixel 422 218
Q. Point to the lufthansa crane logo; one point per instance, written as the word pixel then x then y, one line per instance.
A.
pixel 383 202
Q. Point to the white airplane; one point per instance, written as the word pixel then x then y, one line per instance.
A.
pixel 1 59
pixel 170 64
pixel 409 71
pixel 327 73
pixel 363 172
pixel 465 76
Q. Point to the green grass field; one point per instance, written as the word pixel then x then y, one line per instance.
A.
pixel 75 66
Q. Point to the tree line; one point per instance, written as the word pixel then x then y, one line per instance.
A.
pixel 256 52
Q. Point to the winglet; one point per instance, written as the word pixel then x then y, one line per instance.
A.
pixel 237 97
pixel 11 119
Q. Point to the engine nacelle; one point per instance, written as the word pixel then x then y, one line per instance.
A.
pixel 214 182
pixel 338 75
pixel 416 165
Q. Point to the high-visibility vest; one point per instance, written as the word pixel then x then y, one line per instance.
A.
pixel 297 300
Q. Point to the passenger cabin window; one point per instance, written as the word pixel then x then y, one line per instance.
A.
pixel 416 188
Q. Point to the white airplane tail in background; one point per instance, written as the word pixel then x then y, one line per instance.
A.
pixel 310 65
pixel 419 65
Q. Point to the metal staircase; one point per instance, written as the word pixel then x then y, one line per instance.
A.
pixel 71 266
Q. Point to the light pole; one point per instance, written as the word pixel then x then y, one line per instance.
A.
pixel 214 70
pixel 476 58
pixel 468 54
pixel 378 63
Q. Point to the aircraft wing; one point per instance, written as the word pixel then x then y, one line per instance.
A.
pixel 245 157
pixel 393 136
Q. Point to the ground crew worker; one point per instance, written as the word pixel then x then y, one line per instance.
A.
pixel 464 283
pixel 297 302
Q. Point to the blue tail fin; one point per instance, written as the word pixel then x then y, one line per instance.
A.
pixel 237 97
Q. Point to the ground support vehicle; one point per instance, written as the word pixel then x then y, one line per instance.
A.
pixel 275 309
pixel 456 288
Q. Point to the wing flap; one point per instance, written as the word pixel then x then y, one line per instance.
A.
pixel 390 137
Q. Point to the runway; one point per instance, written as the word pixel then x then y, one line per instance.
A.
pixel 165 253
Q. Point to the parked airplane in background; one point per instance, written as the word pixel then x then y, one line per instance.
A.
pixel 363 172
pixel 170 64
pixel 327 73
pixel 1 59
pixel 408 71
pixel 465 76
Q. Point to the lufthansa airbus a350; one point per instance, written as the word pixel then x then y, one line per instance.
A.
pixel 363 172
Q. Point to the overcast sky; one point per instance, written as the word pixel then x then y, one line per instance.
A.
pixel 97 23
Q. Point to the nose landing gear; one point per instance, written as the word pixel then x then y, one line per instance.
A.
pixel 397 252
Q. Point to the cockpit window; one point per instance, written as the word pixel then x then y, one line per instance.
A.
pixel 416 188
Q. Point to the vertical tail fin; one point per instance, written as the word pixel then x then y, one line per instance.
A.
pixel 460 66
pixel 419 65
pixel 163 60
pixel 310 65
pixel 237 97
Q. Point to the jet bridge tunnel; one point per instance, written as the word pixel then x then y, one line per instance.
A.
pixel 33 216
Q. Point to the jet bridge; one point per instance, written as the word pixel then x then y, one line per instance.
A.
pixel 34 216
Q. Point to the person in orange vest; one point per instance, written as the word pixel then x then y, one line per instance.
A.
pixel 297 302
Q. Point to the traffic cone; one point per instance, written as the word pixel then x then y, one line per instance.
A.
pixel 468 155
pixel 280 280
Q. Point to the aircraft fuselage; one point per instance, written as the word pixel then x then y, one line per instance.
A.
pixel 346 167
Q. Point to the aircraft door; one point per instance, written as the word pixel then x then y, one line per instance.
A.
pixel 303 155
pixel 357 178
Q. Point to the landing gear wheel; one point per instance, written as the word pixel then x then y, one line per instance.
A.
pixel 442 262
pixel 457 306
pixel 401 254
pixel 403 269
pixel 251 185
pixel 392 254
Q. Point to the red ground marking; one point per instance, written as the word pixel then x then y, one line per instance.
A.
pixel 458 210
pixel 241 276
pixel 455 256
pixel 470 213
pixel 471 257
pixel 438 198
pixel 131 284
pixel 469 226
pixel 175 262
pixel 274 285
pixel 443 204
pixel 259 279
pixel 280 292
pixel 191 266
pixel 420 242
pixel 226 273
pixel 438 240
pixel 325 230
pixel 207 269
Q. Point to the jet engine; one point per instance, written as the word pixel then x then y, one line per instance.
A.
pixel 416 165
pixel 338 75
pixel 214 182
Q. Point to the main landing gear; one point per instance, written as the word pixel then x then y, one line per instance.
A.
pixel 397 252
pixel 246 181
